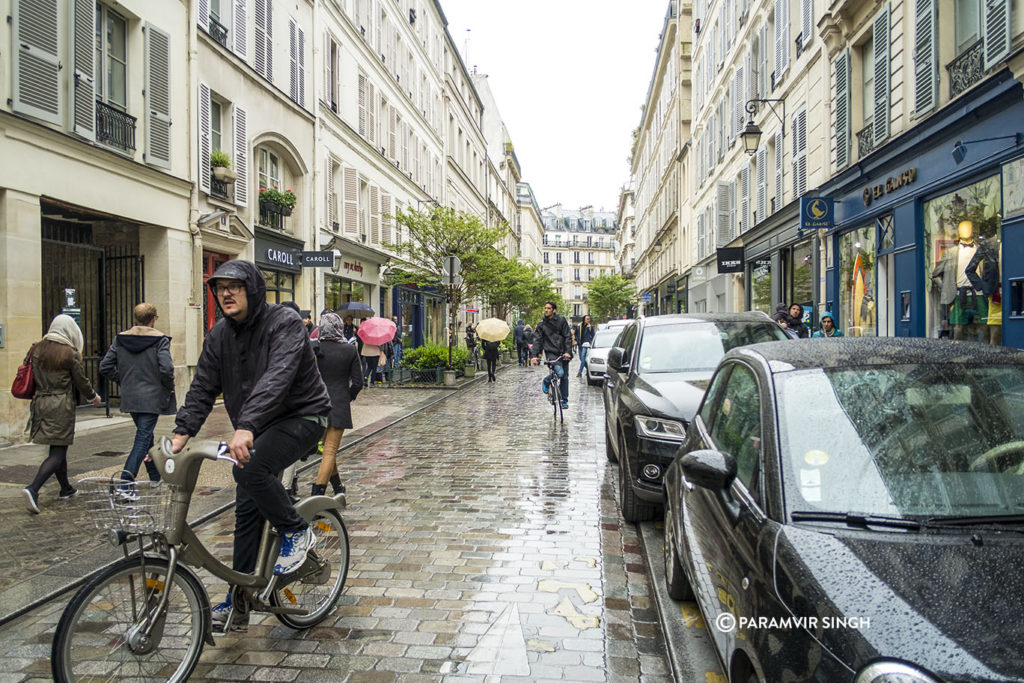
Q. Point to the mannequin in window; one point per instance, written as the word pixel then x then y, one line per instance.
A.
pixel 983 273
pixel 967 306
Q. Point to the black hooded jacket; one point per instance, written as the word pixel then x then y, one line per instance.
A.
pixel 264 365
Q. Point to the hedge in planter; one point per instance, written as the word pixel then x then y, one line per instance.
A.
pixel 432 356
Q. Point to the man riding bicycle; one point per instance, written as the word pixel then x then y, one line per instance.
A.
pixel 259 356
pixel 553 339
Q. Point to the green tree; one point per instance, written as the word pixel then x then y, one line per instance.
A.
pixel 510 285
pixel 435 235
pixel 609 296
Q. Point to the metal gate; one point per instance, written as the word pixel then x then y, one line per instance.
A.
pixel 98 286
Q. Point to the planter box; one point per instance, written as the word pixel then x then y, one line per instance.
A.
pixel 449 378
pixel 274 207
pixel 224 174
pixel 469 370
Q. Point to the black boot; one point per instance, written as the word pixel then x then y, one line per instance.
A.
pixel 318 490
pixel 336 484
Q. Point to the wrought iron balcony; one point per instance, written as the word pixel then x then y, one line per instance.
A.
pixel 219 32
pixel 114 127
pixel 966 70
pixel 865 141
pixel 218 188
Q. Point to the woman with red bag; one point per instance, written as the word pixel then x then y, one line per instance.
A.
pixel 57 367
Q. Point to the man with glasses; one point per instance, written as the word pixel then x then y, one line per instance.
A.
pixel 553 338
pixel 259 356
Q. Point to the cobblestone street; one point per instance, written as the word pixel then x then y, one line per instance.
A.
pixel 485 541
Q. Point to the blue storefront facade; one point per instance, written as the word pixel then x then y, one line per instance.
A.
pixel 928 242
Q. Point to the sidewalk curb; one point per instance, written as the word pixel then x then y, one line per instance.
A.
pixel 353 439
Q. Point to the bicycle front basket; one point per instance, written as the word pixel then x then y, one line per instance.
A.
pixel 135 507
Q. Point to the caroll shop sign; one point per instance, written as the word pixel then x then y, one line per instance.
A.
pixel 274 255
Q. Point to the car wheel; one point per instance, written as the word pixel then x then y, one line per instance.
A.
pixel 633 509
pixel 675 578
pixel 609 449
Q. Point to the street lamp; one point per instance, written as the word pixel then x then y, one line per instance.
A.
pixel 751 132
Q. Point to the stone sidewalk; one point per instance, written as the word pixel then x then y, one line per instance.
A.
pixel 46 554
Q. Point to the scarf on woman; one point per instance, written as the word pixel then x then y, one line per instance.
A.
pixel 332 327
pixel 64 330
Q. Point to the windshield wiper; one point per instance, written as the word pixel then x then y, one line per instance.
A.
pixel 1008 519
pixel 857 519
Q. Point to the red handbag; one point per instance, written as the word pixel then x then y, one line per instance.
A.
pixel 24 385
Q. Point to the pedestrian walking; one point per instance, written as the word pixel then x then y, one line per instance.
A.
pixel 528 342
pixel 828 326
pixel 585 337
pixel 517 339
pixel 790 318
pixel 396 343
pixel 371 358
pixel 58 370
pixel 339 367
pixel 307 319
pixel 490 349
pixel 140 361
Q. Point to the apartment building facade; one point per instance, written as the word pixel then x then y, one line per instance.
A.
pixel 926 165
pixel 529 225
pixel 578 247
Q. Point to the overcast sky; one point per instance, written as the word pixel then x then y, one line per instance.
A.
pixel 569 77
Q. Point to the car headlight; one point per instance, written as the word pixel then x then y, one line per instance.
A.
pixel 892 672
pixel 657 428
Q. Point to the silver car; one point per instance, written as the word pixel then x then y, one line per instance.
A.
pixel 597 356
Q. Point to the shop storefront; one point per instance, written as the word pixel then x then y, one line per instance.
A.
pixel 279 258
pixel 925 243
pixel 779 264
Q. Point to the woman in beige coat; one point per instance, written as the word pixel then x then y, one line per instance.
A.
pixel 57 368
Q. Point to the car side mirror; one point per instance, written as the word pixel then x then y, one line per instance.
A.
pixel 615 358
pixel 709 469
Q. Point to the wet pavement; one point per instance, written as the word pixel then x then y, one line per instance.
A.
pixel 486 544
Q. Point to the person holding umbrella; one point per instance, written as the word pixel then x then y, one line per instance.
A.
pixel 491 331
pixel 374 333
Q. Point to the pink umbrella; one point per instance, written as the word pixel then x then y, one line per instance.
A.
pixel 376 331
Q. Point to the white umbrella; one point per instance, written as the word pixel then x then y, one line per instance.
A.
pixel 492 329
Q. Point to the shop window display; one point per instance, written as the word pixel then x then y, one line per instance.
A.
pixel 761 286
pixel 857 283
pixel 963 249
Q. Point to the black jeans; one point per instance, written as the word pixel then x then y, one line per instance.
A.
pixel 492 365
pixel 260 495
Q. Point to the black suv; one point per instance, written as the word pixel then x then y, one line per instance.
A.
pixel 657 373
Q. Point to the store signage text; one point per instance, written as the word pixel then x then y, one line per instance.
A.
pixel 285 258
pixel 354 266
pixel 891 184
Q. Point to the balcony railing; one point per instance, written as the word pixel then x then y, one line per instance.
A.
pixel 219 32
pixel 865 141
pixel 966 70
pixel 218 188
pixel 114 127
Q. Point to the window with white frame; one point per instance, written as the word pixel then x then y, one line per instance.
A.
pixel 269 170
pixel 111 58
pixel 967 23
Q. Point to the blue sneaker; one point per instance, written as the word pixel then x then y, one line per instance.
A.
pixel 544 386
pixel 294 546
pixel 239 622
pixel 565 404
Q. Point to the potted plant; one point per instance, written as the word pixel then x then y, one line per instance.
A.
pixel 273 200
pixel 221 164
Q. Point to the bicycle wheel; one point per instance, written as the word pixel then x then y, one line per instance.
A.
pixel 97 638
pixel 556 396
pixel 318 591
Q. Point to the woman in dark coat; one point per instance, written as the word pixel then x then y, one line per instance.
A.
pixel 491 356
pixel 338 361
pixel 58 370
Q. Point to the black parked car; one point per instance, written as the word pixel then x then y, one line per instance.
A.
pixel 852 510
pixel 657 372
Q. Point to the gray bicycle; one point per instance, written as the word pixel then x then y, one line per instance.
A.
pixel 147 617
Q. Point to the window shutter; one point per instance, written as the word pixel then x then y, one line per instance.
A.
pixel 738 101
pixel 362 104
pixel 85 57
pixel 843 105
pixel 386 218
pixel 764 76
pixel 240 29
pixel 700 236
pixel 392 137
pixel 302 68
pixel 371 114
pixel 328 68
pixel 724 213
pixel 781 39
pixel 293 61
pixel 332 197
pixel 241 159
pixel 926 73
pixel 261 37
pixel 374 214
pixel 806 23
pixel 351 199
pixel 800 153
pixel 270 41
pixel 37 65
pixel 203 172
pixel 158 98
pixel 762 184
pixel 744 221
pixel 780 190
pixel 880 118
pixel 204 15
pixel 995 19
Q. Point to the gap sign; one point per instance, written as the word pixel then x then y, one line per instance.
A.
pixel 817 213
